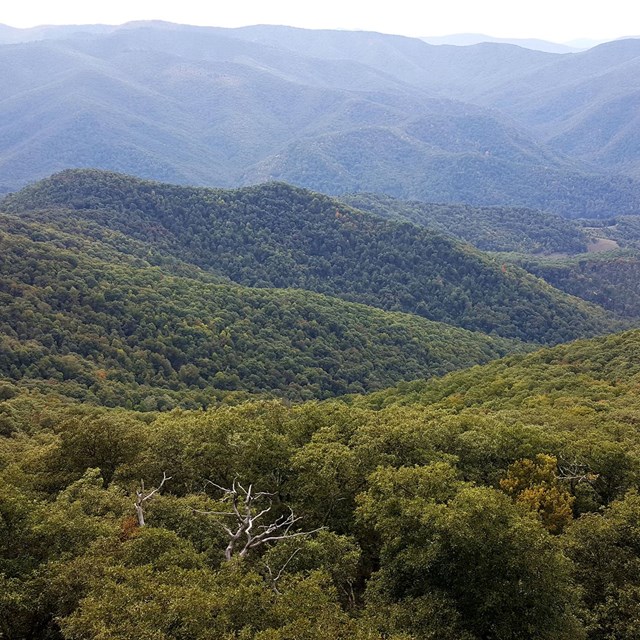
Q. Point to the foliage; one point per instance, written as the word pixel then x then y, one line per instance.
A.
pixel 443 506
pixel 279 236
pixel 487 228
pixel 113 330
pixel 535 484
pixel 435 532
pixel 609 279
pixel 605 549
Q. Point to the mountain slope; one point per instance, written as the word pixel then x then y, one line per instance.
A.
pixel 332 111
pixel 488 228
pixel 585 370
pixel 279 236
pixel 82 319
pixel 609 280
pixel 584 105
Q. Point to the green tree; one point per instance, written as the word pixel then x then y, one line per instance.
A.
pixel 492 564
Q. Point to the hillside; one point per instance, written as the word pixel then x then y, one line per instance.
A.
pixel 584 105
pixel 334 111
pixel 278 236
pixel 91 323
pixel 350 358
pixel 560 251
pixel 624 230
pixel 502 500
pixel 487 228
pixel 601 369
pixel 609 280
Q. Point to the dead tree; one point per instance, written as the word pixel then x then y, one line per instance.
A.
pixel 575 473
pixel 141 497
pixel 245 529
pixel 275 577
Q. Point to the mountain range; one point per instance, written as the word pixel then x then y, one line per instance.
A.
pixel 390 392
pixel 126 291
pixel 468 39
pixel 337 112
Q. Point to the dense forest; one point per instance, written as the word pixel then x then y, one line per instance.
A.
pixel 487 228
pixel 405 408
pixel 113 329
pixel 238 415
pixel 609 279
pixel 497 503
pixel 275 235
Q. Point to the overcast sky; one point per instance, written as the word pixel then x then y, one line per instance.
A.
pixel 556 20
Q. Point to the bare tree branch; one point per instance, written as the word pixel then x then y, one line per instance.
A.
pixel 575 473
pixel 141 498
pixel 274 579
pixel 246 507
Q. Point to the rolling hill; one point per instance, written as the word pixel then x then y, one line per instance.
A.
pixel 276 235
pixel 507 489
pixel 179 362
pixel 583 105
pixel 83 319
pixel 488 228
pixel 608 279
pixel 333 111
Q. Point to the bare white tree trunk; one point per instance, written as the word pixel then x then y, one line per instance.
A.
pixel 141 497
pixel 247 532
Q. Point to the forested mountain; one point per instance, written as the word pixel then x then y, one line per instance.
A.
pixel 487 228
pixel 79 317
pixel 535 384
pixel 609 280
pixel 333 111
pixel 597 261
pixel 583 105
pixel 495 503
pixel 186 448
pixel 278 236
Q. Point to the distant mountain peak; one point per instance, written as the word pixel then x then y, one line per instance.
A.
pixel 468 39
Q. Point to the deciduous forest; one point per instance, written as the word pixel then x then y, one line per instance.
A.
pixel 317 335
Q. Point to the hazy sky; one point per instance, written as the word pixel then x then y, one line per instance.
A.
pixel 558 20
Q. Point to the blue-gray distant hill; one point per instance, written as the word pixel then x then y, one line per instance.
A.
pixel 334 111
pixel 466 39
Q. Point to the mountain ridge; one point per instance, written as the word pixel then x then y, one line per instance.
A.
pixel 276 235
pixel 338 122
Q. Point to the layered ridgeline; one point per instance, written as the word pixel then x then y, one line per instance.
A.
pixel 337 112
pixel 276 235
pixel 583 105
pixel 608 279
pixel 596 260
pixel 84 319
pixel 488 228
pixel 498 502
pixel 604 369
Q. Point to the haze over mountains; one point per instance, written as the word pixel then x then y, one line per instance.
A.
pixel 467 39
pixel 336 112
pixel 355 409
